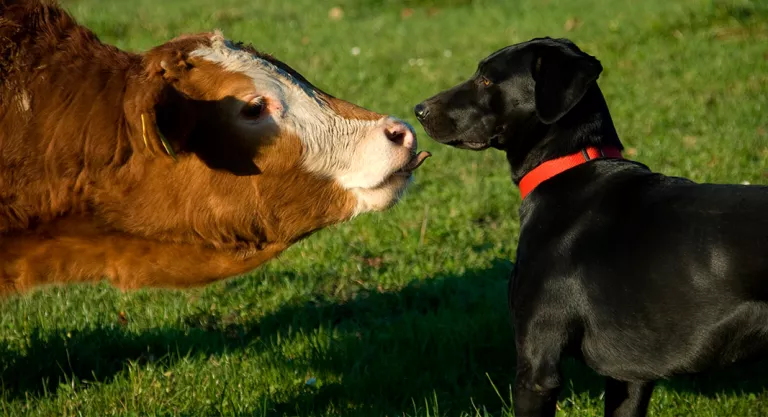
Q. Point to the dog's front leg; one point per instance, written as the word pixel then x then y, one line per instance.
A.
pixel 537 384
pixel 627 399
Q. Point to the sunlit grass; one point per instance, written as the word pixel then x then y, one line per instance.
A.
pixel 402 313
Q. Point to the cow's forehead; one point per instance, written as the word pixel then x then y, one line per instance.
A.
pixel 231 57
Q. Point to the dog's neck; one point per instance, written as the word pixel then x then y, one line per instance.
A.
pixel 588 124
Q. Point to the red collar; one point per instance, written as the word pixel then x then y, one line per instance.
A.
pixel 549 169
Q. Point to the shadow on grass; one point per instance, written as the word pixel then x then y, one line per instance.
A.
pixel 445 338
pixel 437 337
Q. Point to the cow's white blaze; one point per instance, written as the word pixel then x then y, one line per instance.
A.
pixel 356 153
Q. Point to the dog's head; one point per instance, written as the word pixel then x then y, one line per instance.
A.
pixel 515 92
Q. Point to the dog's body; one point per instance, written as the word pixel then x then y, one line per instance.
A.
pixel 641 275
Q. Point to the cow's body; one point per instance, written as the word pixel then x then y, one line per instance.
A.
pixel 258 157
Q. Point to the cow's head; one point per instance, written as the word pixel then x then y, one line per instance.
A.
pixel 251 116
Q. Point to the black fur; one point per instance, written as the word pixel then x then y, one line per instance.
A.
pixel 640 275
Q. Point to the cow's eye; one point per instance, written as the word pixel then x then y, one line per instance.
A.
pixel 254 108
pixel 485 81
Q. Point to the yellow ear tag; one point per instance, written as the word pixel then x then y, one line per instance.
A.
pixel 166 144
pixel 144 131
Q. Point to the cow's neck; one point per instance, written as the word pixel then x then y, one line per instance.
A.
pixel 127 262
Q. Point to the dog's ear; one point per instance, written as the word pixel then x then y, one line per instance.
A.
pixel 563 74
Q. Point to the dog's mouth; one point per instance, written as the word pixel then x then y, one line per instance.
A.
pixel 457 141
pixel 473 146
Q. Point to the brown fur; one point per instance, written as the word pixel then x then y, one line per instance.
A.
pixel 83 197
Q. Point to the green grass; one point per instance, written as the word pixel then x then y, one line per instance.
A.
pixel 402 313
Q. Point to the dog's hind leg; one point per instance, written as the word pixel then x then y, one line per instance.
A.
pixel 537 382
pixel 627 399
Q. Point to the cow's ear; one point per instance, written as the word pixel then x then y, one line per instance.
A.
pixel 164 115
pixel 173 120
pixel 170 64
pixel 563 74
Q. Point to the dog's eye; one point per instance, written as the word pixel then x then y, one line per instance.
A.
pixel 254 108
pixel 485 81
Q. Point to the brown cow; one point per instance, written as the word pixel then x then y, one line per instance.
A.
pixel 195 161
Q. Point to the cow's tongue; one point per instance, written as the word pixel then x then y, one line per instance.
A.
pixel 417 161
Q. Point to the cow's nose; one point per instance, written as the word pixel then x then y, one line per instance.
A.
pixel 421 111
pixel 401 134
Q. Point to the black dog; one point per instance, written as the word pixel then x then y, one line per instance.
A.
pixel 640 275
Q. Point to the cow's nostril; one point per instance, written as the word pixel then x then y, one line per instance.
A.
pixel 421 111
pixel 401 135
pixel 395 135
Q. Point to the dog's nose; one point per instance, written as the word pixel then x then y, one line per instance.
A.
pixel 421 111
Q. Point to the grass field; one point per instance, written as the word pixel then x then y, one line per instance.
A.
pixel 402 313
